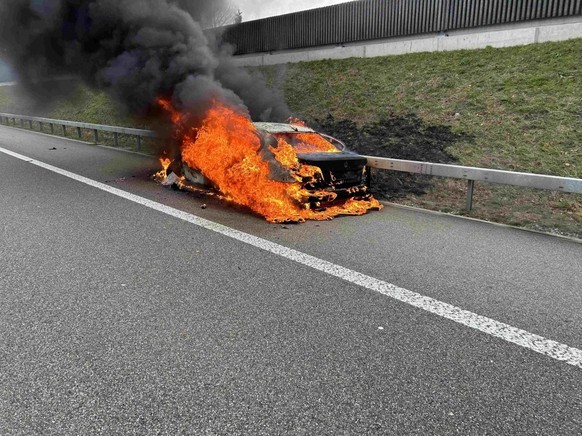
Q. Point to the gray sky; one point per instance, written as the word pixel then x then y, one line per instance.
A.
pixel 255 9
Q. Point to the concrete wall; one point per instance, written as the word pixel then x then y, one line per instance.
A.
pixel 508 35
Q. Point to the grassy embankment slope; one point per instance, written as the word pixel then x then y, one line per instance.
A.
pixel 520 109
pixel 74 102
pixel 517 108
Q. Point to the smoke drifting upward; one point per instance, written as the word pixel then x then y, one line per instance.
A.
pixel 138 50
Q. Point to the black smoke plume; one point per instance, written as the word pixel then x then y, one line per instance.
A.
pixel 137 50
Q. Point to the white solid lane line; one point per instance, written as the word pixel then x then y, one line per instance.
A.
pixel 539 344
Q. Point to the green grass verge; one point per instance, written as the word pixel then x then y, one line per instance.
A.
pixel 522 104
pixel 82 104
pixel 522 107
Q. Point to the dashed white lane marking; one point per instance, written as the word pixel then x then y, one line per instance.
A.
pixel 539 344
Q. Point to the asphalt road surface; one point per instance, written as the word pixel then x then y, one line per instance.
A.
pixel 126 314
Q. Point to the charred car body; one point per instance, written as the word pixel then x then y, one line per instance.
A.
pixel 342 174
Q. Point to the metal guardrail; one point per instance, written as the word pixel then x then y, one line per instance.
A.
pixel 471 174
pixel 96 128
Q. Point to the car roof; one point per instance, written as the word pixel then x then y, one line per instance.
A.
pixel 282 128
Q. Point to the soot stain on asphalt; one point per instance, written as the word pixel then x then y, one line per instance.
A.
pixel 399 137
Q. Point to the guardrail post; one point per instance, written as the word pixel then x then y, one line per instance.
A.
pixel 30 124
pixel 79 132
pixel 138 142
pixel 52 128
pixel 470 189
pixel 96 134
pixel 116 139
pixel 40 125
pixel 64 130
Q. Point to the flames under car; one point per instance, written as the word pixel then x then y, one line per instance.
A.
pixel 341 174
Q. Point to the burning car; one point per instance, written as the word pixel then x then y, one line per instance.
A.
pixel 283 172
pixel 339 174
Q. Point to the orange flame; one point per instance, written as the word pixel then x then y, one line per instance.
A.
pixel 228 151
pixel 311 142
pixel 163 173
pixel 165 162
